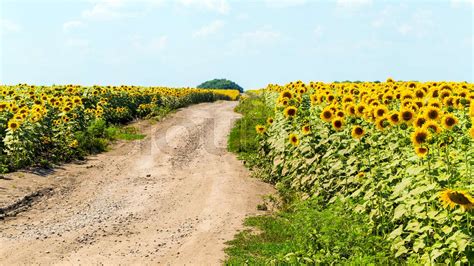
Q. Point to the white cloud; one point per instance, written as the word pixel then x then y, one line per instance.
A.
pixel 263 35
pixel 81 43
pixel 219 6
pixel 318 31
pixel 353 3
pixel 383 17
pixel 104 9
pixel 459 3
pixel 70 25
pixel 152 46
pixel 420 24
pixel 8 26
pixel 209 29
pixel 284 3
pixel 253 42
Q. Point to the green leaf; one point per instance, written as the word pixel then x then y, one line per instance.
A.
pixel 419 244
pixel 399 212
pixel 396 232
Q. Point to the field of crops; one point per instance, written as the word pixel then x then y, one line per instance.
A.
pixel 42 125
pixel 401 153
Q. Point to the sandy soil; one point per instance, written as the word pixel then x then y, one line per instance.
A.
pixel 173 198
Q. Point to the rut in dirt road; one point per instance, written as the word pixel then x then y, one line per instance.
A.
pixel 174 198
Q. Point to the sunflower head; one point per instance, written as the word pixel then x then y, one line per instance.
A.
pixel 306 129
pixel 294 140
pixel 419 121
pixel 394 118
pixel 382 123
pixel 407 115
pixel 13 124
pixel 471 132
pixel 357 132
pixel 432 113
pixel 338 124
pixel 449 121
pixel 269 120
pixel 327 115
pixel 420 136
pixel 451 198
pixel 421 151
pixel 290 111
pixel 432 126
pixel 260 129
pixel 381 111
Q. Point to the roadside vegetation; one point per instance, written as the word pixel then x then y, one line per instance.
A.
pixel 367 173
pixel 43 126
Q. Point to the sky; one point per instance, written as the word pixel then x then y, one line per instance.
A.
pixel 182 43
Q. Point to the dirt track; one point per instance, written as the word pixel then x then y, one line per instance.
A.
pixel 173 198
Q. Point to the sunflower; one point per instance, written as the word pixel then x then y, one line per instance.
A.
pixel 419 121
pixel 450 198
pixel 449 121
pixel 420 136
pixel 294 140
pixel 357 132
pixel 260 129
pixel 471 132
pixel 421 151
pixel 306 129
pixel 338 124
pixel 340 114
pixel 407 115
pixel 286 94
pixel 270 120
pixel 394 118
pixel 360 109
pixel 327 115
pixel 14 124
pixel 381 111
pixel 351 109
pixel 432 113
pixel 382 123
pixel 290 111
pixel 432 126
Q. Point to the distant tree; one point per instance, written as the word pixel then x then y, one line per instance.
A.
pixel 223 84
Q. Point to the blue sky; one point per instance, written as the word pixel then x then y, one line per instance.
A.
pixel 185 42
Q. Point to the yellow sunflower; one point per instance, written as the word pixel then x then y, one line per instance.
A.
pixel 449 121
pixel 290 111
pixel 269 120
pixel 382 123
pixel 260 129
pixel 326 115
pixel 357 132
pixel 421 151
pixel 419 121
pixel 420 136
pixel 432 113
pixel 294 140
pixel 14 124
pixel 394 118
pixel 306 129
pixel 407 115
pixel 450 198
pixel 432 126
pixel 338 124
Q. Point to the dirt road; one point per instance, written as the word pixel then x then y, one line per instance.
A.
pixel 173 198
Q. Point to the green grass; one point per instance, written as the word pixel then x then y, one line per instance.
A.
pixel 124 133
pixel 243 137
pixel 308 233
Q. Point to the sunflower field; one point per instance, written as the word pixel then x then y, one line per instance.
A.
pixel 40 125
pixel 402 153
